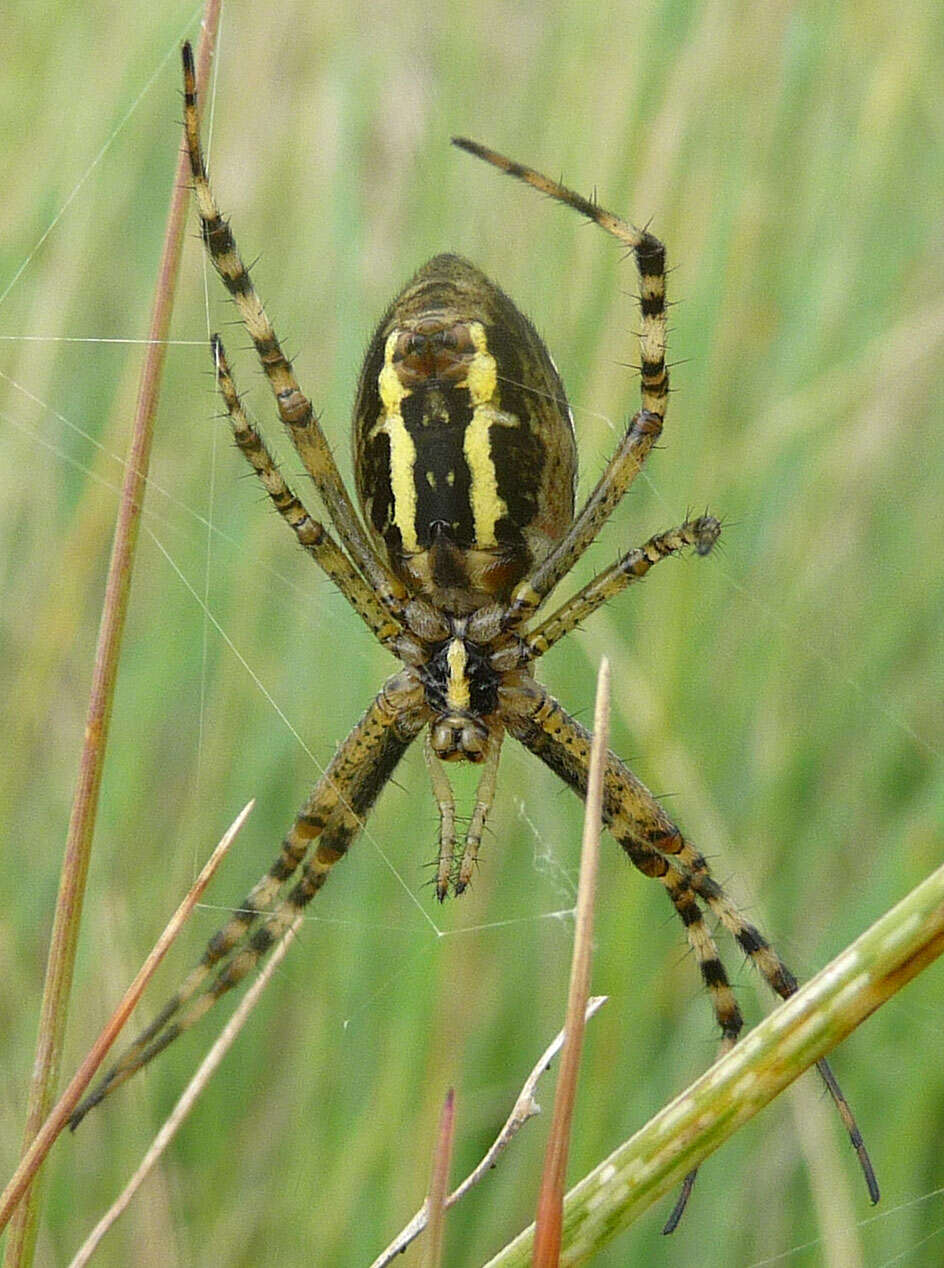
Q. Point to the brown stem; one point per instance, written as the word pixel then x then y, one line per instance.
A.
pixel 547 1239
pixel 65 930
pixel 43 1141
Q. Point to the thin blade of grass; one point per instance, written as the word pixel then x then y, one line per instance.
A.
pixel 68 913
pixel 551 1197
pixel 439 1182
pixel 59 1116
pixel 524 1109
pixel 178 1115
pixel 804 1028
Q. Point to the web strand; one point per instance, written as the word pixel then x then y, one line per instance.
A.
pixel 109 142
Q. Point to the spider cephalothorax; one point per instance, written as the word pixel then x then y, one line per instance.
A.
pixel 465 463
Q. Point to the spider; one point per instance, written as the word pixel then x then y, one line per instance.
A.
pixel 465 461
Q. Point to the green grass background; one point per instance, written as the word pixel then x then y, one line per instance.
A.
pixel 785 695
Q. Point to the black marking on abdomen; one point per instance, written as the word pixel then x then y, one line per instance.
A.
pixel 518 453
pixel 376 482
pixel 436 420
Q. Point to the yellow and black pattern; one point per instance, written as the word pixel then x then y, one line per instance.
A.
pixel 659 850
pixel 463 439
pixel 650 261
pixel 465 463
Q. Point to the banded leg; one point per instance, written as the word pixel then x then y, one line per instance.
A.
pixel 647 834
pixel 312 536
pixel 714 975
pixel 752 942
pixel 783 982
pixel 570 763
pixel 294 407
pixel 620 472
pixel 702 533
pixel 333 814
pixel 647 424
pixel 563 745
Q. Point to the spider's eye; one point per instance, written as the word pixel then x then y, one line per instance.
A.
pixel 447 339
pixel 416 345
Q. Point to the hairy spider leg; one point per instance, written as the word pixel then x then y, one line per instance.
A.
pixel 332 815
pixel 657 847
pixel 312 536
pixel 644 428
pixel 634 565
pixel 294 408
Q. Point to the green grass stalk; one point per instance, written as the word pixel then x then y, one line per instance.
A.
pixel 806 1027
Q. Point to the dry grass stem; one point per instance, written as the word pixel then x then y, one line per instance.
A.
pixel 551 1197
pixel 525 1108
pixel 804 1028
pixel 187 1101
pixel 439 1182
pixel 70 1098
pixel 68 913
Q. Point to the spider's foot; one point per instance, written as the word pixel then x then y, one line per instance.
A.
pixel 708 530
pixel 681 1202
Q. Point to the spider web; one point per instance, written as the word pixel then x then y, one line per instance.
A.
pixel 189 542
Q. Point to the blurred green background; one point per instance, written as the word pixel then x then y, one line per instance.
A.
pixel 785 695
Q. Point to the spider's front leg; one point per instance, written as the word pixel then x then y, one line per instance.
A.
pixel 658 849
pixel 644 428
pixel 312 536
pixel 294 407
pixel 332 816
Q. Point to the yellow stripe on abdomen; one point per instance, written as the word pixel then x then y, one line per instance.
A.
pixel 402 449
pixel 402 487
pixel 482 381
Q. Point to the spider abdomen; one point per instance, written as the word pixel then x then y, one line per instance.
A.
pixel 463 439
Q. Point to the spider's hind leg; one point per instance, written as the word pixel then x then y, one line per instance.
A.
pixel 658 848
pixel 332 816
pixel 644 428
pixel 312 536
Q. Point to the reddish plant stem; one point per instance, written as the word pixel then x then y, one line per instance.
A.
pixel 436 1200
pixel 549 1221
pixel 43 1141
pixel 65 930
